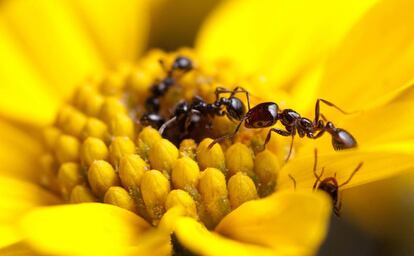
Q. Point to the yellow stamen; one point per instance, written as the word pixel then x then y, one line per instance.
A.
pixel 67 149
pixel 95 128
pixel 239 158
pixel 162 155
pixel 82 194
pixel 213 157
pixel 155 188
pixel 122 125
pixel 120 147
pixel 101 177
pixel 131 170
pixel 119 196
pixel 213 192
pixel 93 149
pixel 69 175
pixel 241 189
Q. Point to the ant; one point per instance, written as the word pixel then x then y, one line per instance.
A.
pixel 330 184
pixel 232 107
pixel 152 104
pixel 268 113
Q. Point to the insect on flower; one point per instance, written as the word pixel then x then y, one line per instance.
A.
pixel 330 184
pixel 152 104
pixel 266 114
pixel 190 113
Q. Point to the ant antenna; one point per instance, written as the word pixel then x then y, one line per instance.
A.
pixel 162 63
pixel 293 180
pixel 352 174
pixel 315 163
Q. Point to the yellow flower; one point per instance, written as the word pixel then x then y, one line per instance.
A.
pixel 198 198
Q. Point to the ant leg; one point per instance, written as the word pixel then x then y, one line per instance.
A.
pixel 293 180
pixel 227 136
pixel 278 131
pixel 352 174
pixel 328 103
pixel 166 124
pixel 338 207
pixel 319 134
pixel 290 149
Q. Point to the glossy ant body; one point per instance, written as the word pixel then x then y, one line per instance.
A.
pixel 232 107
pixel 268 113
pixel 152 104
pixel 330 184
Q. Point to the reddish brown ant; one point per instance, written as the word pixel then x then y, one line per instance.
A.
pixel 268 113
pixel 330 184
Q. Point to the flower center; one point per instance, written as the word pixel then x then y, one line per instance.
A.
pixel 99 149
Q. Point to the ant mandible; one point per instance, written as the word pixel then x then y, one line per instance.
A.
pixel 152 104
pixel 268 113
pixel 232 107
pixel 330 184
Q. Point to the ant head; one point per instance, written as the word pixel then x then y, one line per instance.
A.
pixel 262 115
pixel 183 63
pixel 341 139
pixel 289 117
pixel 235 108
pixel 330 186
pixel 181 109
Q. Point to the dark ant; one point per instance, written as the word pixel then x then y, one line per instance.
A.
pixel 152 104
pixel 268 113
pixel 330 184
pixel 232 107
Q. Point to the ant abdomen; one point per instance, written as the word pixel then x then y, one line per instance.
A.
pixel 342 139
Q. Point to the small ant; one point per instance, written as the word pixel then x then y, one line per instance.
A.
pixel 268 113
pixel 232 107
pixel 329 184
pixel 152 104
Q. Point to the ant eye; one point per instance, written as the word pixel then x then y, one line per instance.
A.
pixel 260 124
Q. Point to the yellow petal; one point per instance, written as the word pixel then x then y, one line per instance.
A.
pixel 155 243
pixel 388 123
pixel 18 151
pixel 25 95
pixel 18 197
pixel 280 38
pixel 119 28
pixel 82 229
pixel 194 237
pixel 380 161
pixel 292 223
pixel 54 39
pixel 375 59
